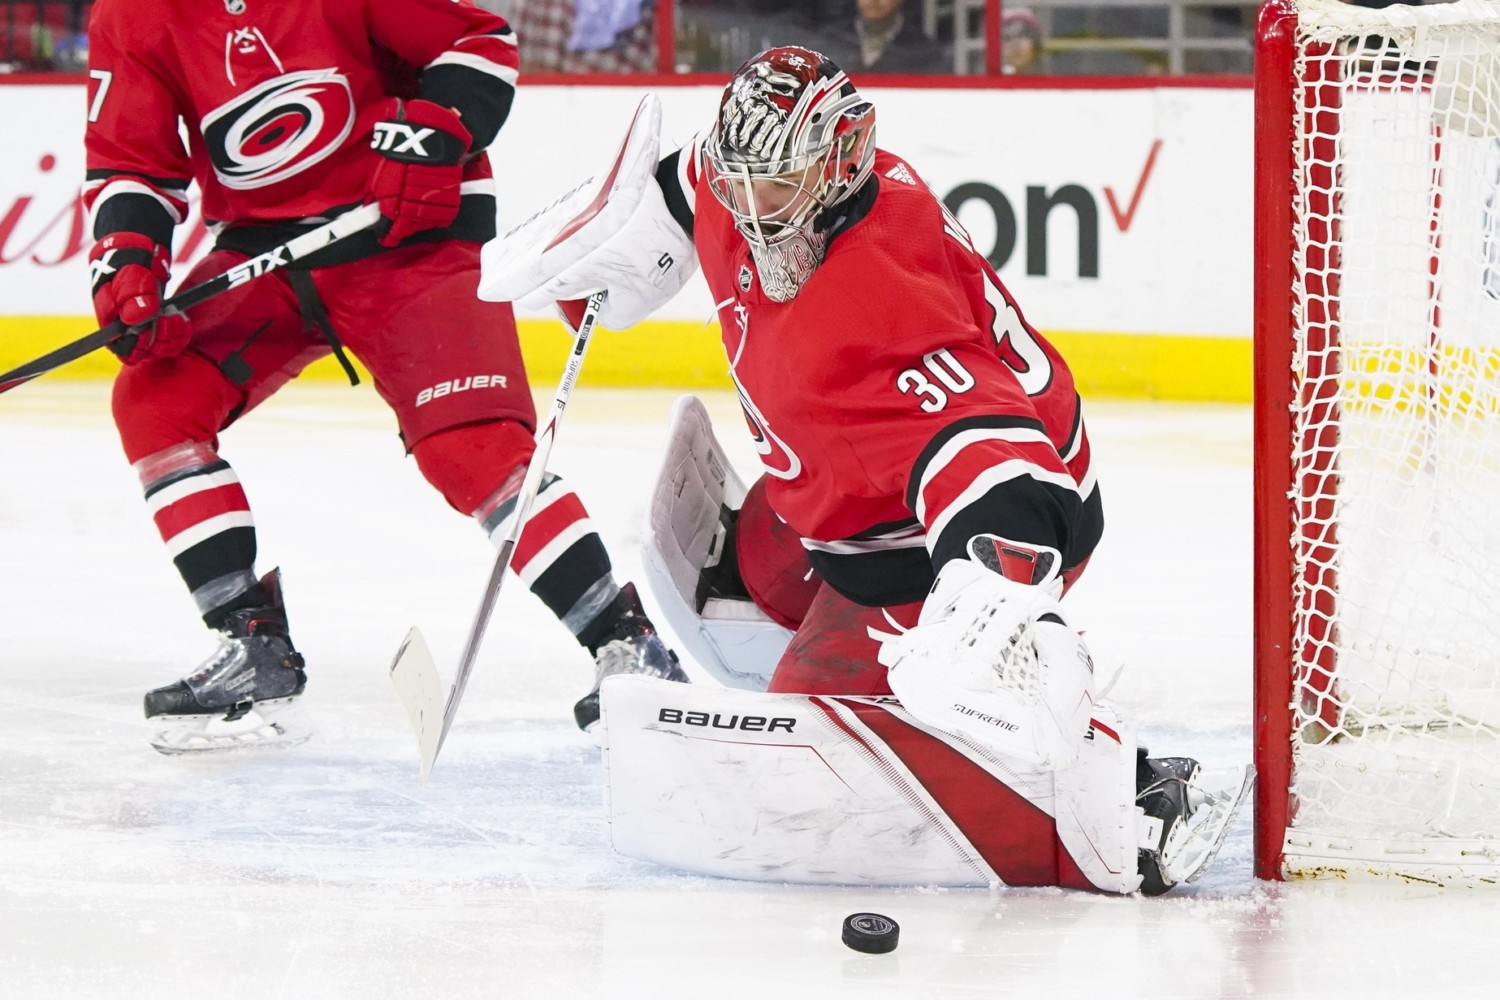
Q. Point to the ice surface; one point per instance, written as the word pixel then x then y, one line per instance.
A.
pixel 327 871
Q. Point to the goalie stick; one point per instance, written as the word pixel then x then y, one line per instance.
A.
pixel 278 257
pixel 413 673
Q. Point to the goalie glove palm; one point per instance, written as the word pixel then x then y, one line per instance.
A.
pixel 994 659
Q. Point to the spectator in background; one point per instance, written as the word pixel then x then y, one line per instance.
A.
pixel 1020 42
pixel 887 37
pixel 586 36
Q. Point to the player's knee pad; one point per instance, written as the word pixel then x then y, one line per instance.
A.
pixel 469 463
pixel 688 550
pixel 163 403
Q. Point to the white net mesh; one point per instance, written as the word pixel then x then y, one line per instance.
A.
pixel 1396 497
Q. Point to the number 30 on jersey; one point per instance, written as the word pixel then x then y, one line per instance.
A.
pixel 941 373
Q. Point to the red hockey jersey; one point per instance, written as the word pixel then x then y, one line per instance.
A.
pixel 275 100
pixel 900 402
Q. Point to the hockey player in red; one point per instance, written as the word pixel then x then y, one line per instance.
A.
pixel 927 492
pixel 293 114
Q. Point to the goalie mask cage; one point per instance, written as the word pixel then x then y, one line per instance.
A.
pixel 1377 471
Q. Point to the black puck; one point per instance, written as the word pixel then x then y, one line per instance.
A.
pixel 873 933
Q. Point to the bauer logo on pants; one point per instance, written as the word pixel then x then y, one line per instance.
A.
pixel 456 385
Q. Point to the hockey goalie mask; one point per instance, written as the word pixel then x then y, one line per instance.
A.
pixel 793 139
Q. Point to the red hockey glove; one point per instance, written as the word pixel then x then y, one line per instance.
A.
pixel 129 272
pixel 416 184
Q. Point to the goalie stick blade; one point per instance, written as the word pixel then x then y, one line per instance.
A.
pixel 415 678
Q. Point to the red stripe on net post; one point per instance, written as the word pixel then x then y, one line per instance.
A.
pixel 1274 248
pixel 1015 838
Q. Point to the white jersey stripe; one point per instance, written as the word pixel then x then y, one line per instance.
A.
pixel 114 187
pixel 689 191
pixel 956 444
pixel 508 37
pixel 450 58
pixel 988 480
pixel 851 547
pixel 1077 445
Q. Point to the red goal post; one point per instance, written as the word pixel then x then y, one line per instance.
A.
pixel 1377 438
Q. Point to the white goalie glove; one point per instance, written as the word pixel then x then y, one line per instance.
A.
pixel 995 660
pixel 611 233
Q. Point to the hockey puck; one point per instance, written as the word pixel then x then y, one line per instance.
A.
pixel 873 933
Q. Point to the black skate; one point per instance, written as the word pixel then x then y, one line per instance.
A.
pixel 243 695
pixel 628 644
pixel 1186 817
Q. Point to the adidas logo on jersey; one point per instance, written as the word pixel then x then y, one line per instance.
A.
pixel 900 173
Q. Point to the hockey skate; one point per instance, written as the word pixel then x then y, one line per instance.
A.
pixel 1186 816
pixel 243 695
pixel 628 644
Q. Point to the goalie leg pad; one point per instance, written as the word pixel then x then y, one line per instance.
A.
pixel 1097 818
pixel 817 789
pixel 683 545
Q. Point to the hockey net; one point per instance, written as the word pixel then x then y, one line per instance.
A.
pixel 1378 440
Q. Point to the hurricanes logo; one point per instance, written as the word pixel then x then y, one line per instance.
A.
pixel 279 129
pixel 775 457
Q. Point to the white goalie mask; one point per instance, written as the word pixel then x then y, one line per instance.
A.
pixel 793 138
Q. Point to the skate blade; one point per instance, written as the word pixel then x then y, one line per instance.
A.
pixel 279 723
pixel 1196 851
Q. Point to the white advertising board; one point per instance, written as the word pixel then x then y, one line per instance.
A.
pixel 1109 211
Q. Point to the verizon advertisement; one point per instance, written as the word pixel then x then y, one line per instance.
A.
pixel 1106 211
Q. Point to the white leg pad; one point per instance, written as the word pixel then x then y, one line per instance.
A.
pixel 1097 818
pixel 784 788
pixel 684 534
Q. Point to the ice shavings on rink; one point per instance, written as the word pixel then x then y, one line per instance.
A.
pixel 328 871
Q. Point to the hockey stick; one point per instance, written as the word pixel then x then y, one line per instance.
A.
pixel 278 257
pixel 413 673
